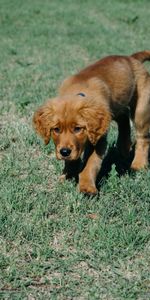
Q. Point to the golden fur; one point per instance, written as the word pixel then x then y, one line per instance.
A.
pixel 114 88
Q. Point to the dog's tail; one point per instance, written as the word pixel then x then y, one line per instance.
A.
pixel 142 56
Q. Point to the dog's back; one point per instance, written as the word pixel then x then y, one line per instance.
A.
pixel 117 75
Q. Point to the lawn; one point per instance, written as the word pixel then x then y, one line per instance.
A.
pixel 54 242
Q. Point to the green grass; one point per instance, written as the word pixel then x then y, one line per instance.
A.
pixel 50 246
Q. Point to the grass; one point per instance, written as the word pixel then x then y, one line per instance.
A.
pixel 54 242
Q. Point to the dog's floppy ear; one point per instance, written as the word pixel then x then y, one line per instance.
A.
pixel 42 121
pixel 97 120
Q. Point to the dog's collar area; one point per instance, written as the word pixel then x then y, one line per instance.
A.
pixel 81 94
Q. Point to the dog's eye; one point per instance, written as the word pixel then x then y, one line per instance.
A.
pixel 77 129
pixel 56 130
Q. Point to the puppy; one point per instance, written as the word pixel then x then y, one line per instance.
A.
pixel 114 88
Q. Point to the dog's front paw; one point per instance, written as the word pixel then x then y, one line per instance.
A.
pixel 62 178
pixel 88 189
pixel 138 165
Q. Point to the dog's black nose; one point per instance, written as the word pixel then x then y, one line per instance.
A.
pixel 65 152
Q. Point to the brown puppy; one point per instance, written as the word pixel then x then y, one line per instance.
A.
pixel 114 88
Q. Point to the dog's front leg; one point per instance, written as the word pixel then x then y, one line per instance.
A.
pixel 71 169
pixel 88 176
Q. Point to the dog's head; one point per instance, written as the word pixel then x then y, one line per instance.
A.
pixel 71 121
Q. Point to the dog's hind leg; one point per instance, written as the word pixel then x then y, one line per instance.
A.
pixel 142 125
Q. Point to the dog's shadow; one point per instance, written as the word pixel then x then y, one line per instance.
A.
pixel 113 157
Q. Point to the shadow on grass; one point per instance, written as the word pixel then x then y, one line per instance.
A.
pixel 113 157
pixel 122 165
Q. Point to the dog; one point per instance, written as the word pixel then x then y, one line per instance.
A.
pixel 114 88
